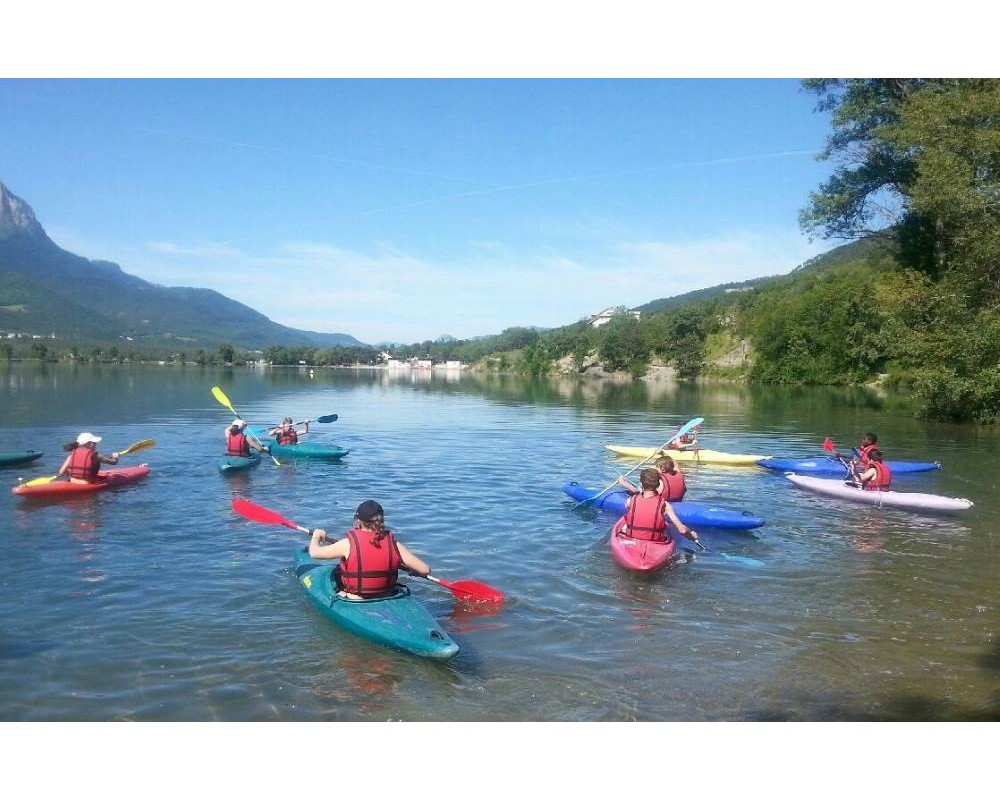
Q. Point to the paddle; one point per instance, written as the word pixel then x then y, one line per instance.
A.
pixel 142 444
pixel 462 590
pixel 844 461
pixel 220 395
pixel 694 423
pixel 323 420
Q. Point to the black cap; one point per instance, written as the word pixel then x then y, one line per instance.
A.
pixel 368 510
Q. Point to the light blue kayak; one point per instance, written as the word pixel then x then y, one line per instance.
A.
pixel 397 620
pixel 696 515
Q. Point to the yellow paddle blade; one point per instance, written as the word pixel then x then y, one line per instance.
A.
pixel 220 395
pixel 40 481
pixel 145 444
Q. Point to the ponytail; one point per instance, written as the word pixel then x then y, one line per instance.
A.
pixel 69 447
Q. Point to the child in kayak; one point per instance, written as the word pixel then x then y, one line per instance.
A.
pixel 877 477
pixel 370 555
pixel 647 512
pixel 689 441
pixel 286 432
pixel 869 442
pixel 83 462
pixel 238 443
pixel 672 487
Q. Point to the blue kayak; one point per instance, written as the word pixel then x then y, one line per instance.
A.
pixel 697 515
pixel 824 465
pixel 19 457
pixel 238 463
pixel 397 620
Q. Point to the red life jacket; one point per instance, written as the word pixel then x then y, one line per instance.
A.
pixel 863 453
pixel 673 486
pixel 83 464
pixel 287 437
pixel 370 570
pixel 644 518
pixel 882 479
pixel 237 444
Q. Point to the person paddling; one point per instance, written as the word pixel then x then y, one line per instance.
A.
pixel 877 477
pixel 286 432
pixel 370 554
pixel 238 443
pixel 673 486
pixel 869 442
pixel 84 462
pixel 686 441
pixel 647 512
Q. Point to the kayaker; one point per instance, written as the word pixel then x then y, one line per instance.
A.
pixel 286 433
pixel 647 512
pixel 672 486
pixel 370 554
pixel 238 443
pixel 689 441
pixel 869 442
pixel 877 477
pixel 83 462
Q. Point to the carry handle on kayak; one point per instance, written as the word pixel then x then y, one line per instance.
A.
pixel 685 428
pixel 462 590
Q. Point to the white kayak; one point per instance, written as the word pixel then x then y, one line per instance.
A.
pixel 914 501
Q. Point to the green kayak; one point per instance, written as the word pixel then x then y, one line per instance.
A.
pixel 18 457
pixel 300 450
pixel 238 463
pixel 397 620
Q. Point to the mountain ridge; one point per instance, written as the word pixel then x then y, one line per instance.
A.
pixel 47 290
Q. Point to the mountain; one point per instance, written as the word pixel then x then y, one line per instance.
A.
pixel 47 290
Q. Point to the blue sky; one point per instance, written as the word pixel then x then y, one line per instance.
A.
pixel 406 209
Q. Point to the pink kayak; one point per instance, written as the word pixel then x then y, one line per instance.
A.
pixel 639 555
pixel 107 479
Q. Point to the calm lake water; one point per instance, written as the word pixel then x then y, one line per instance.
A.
pixel 157 602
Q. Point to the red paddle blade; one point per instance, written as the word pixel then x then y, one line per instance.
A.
pixel 828 444
pixel 473 591
pixel 257 513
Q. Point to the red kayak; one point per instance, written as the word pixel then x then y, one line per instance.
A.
pixel 639 555
pixel 106 479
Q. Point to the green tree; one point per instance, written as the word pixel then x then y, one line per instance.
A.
pixel 39 351
pixel 6 351
pixel 226 353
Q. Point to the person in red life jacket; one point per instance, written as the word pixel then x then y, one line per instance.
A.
pixel 238 443
pixel 869 442
pixel 877 477
pixel 647 512
pixel 286 433
pixel 689 441
pixel 370 554
pixel 672 486
pixel 83 462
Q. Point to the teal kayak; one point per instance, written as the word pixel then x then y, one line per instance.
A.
pixel 397 620
pixel 19 457
pixel 238 463
pixel 300 450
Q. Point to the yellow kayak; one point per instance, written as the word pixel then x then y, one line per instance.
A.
pixel 694 456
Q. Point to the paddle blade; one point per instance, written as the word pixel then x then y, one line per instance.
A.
pixel 828 445
pixel 327 418
pixel 40 481
pixel 145 444
pixel 472 591
pixel 257 513
pixel 220 395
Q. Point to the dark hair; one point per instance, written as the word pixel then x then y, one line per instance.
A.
pixel 70 446
pixel 649 479
pixel 869 438
pixel 874 454
pixel 666 463
pixel 371 515
pixel 234 429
